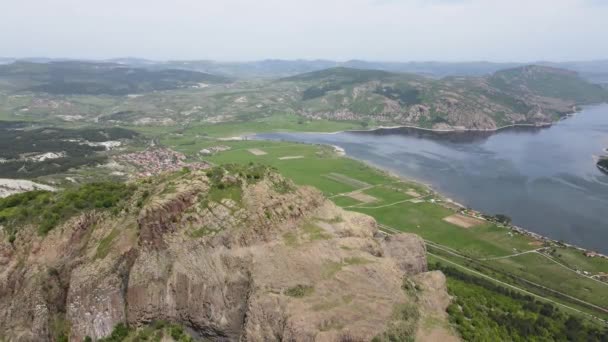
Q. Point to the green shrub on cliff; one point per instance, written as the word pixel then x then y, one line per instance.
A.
pixel 48 209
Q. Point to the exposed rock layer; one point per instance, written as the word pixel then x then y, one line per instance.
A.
pixel 276 265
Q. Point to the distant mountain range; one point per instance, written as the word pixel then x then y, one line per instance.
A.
pixel 595 71
pixel 95 78
pixel 523 95
pixel 184 92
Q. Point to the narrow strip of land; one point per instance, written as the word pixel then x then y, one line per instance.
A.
pixel 515 287
pixel 512 255
pixel 391 230
pixel 358 206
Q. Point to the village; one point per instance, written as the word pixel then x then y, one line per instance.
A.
pixel 154 161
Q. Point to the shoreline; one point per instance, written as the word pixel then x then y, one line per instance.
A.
pixel 433 130
pixel 444 197
pixel 575 111
pixel 520 230
pixel 463 208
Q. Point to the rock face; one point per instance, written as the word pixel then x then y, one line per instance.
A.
pixel 275 262
pixel 14 186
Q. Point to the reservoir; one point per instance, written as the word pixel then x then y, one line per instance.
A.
pixel 545 179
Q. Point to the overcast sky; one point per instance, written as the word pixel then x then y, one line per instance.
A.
pixel 388 30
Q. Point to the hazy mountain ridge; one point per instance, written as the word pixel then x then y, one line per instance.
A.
pixel 76 77
pixel 596 70
pixel 522 95
pixel 274 68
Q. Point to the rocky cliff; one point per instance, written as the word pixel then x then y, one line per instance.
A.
pixel 237 254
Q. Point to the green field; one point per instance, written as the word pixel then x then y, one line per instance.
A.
pixel 335 176
pixel 536 268
pixel 197 134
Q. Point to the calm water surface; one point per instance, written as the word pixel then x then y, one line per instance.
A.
pixel 545 179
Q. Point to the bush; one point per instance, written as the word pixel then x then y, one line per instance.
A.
pixel 47 209
pixel 403 326
pixel 176 332
pixel 119 333
pixel 504 219
pixel 299 291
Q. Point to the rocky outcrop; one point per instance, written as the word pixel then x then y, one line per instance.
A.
pixel 602 164
pixel 14 186
pixel 273 262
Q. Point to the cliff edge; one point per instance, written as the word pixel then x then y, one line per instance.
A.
pixel 231 254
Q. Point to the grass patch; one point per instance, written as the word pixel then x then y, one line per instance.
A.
pixel 156 331
pixel 345 201
pixel 283 186
pixel 233 192
pixel 387 194
pixel 330 268
pixel 330 324
pixel 341 178
pixel 291 239
pixel 276 123
pixel 403 324
pixel 327 305
pixel 201 232
pixel 299 291
pixel 333 220
pixel 356 261
pixel 104 245
pixel 314 232
pixel 60 328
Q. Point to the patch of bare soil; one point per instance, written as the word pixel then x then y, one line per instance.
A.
pixel 340 178
pixel 362 197
pixel 256 152
pixel 291 157
pixel 535 243
pixel 463 221
pixel 413 193
pixel 437 334
pixel 14 186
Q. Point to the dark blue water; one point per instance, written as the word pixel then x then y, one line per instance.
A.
pixel 544 179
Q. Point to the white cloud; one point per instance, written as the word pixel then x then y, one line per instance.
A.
pixel 336 29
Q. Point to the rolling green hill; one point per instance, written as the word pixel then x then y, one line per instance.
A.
pixel 96 78
pixel 342 75
pixel 94 92
pixel 548 82
pixel 524 95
